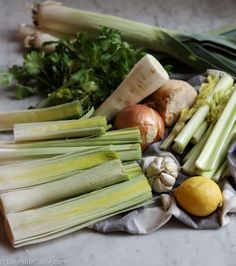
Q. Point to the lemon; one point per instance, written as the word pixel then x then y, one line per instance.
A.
pixel 199 196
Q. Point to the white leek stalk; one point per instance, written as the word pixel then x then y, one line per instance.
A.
pixel 126 152
pixel 47 170
pixel 192 49
pixel 59 112
pixel 121 136
pixel 37 225
pixel 60 129
pixel 106 174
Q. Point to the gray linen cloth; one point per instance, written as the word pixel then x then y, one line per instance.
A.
pixel 148 219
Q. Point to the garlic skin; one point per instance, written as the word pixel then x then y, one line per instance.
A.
pixel 161 173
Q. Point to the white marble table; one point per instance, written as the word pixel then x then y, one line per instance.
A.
pixel 174 244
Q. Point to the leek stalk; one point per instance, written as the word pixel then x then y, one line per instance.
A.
pixel 106 174
pixel 60 129
pixel 59 112
pixel 193 49
pixel 121 136
pixel 47 170
pixel 37 225
pixel 126 152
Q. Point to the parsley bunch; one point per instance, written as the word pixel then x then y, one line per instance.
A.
pixel 81 69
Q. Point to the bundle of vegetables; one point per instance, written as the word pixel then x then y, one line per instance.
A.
pixel 199 51
pixel 209 124
pixel 67 65
pixel 56 208
pixel 69 186
pixel 126 143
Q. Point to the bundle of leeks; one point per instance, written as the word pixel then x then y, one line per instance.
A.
pixel 65 175
pixel 209 125
pixel 199 51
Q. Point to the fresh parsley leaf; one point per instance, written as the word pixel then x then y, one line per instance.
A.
pixel 81 69
pixel 6 78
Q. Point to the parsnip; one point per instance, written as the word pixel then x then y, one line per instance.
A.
pixel 146 77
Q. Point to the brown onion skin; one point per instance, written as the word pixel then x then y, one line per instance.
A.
pixel 143 117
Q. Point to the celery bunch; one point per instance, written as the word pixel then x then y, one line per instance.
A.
pixel 212 125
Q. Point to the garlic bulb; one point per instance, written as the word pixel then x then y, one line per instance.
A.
pixel 161 172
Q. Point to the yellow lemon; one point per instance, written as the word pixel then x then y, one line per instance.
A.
pixel 199 196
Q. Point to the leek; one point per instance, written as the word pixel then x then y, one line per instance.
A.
pixel 121 136
pixel 193 49
pixel 59 112
pixel 126 152
pixel 97 177
pixel 208 157
pixel 47 170
pixel 37 225
pixel 60 129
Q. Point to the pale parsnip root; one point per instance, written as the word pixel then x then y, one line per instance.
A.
pixel 145 77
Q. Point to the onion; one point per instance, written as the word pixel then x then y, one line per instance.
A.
pixel 148 121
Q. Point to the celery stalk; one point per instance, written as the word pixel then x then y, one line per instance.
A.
pixel 208 157
pixel 223 85
pixel 184 137
pixel 218 174
pixel 186 114
pixel 199 133
pixel 189 165
pixel 222 155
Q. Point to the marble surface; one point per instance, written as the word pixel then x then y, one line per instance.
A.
pixel 173 244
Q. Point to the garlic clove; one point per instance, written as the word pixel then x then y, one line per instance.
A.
pixel 158 186
pixel 167 179
pixel 166 201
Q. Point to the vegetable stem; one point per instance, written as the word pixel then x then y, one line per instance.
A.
pixel 208 157
pixel 105 174
pixel 216 87
pixel 59 112
pixel 199 133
